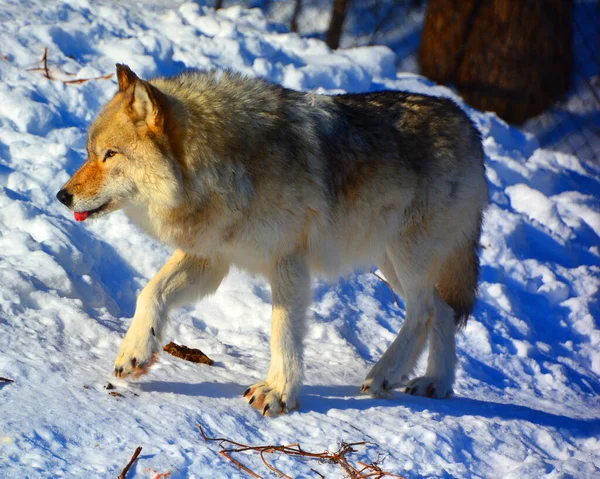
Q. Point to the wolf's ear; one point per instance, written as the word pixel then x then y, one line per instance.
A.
pixel 147 105
pixel 125 77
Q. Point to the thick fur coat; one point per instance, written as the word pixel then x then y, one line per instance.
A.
pixel 231 170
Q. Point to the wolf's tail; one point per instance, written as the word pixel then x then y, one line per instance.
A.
pixel 457 283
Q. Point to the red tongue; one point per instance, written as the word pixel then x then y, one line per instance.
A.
pixel 81 216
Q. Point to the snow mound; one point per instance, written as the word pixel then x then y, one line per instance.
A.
pixel 527 394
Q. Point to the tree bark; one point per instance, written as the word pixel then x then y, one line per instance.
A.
pixel 513 57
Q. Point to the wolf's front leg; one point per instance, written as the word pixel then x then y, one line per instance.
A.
pixel 290 285
pixel 182 278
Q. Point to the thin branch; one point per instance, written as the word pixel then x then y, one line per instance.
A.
pixel 130 463
pixel 45 62
pixel 239 464
pixel 218 439
pixel 339 457
pixel 273 468
pixel 389 286
pixel 44 68
pixel 83 80
pixel 6 380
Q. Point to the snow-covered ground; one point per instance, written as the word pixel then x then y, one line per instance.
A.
pixel 528 389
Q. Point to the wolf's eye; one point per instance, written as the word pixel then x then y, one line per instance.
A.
pixel 109 154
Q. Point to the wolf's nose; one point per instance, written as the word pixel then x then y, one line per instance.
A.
pixel 64 197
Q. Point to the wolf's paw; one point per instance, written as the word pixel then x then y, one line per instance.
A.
pixel 380 381
pixel 431 387
pixel 269 401
pixel 136 355
pixel 377 386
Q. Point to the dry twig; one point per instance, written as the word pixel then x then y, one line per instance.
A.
pixel 6 380
pixel 44 66
pixel 239 464
pixel 372 470
pixel 389 286
pixel 45 63
pixel 130 463
pixel 83 80
pixel 47 75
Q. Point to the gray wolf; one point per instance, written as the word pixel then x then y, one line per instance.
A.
pixel 230 170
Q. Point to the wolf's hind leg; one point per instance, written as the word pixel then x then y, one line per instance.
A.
pixel 182 278
pixel 441 363
pixel 290 284
pixel 400 358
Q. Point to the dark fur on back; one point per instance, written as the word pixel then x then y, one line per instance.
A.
pixel 417 129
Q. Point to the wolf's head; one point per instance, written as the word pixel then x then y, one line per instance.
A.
pixel 130 155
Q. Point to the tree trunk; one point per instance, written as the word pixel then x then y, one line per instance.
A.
pixel 338 16
pixel 513 57
pixel 296 14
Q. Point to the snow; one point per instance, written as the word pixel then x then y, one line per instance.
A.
pixel 527 394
